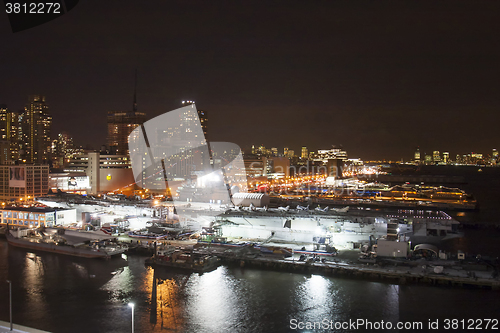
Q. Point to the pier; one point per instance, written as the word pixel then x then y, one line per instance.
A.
pixel 421 272
pixel 394 274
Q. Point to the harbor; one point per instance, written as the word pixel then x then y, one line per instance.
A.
pixel 446 273
pixel 318 250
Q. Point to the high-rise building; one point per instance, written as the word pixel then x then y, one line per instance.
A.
pixel 285 151
pixel 9 131
pixel 262 151
pixel 35 123
pixel 304 153
pixel 4 152
pixel 63 150
pixel 203 118
pixel 436 156
pixel 446 157
pixel 204 121
pixel 34 182
pixel 494 156
pixel 417 155
pixel 121 124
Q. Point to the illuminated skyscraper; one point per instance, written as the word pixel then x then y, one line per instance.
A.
pixel 304 154
pixel 62 150
pixel 203 117
pixel 446 157
pixel 9 131
pixel 36 122
pixel 121 124
pixel 204 121
pixel 417 155
pixel 436 156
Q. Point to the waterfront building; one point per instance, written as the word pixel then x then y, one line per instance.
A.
pixel 35 124
pixel 324 155
pixel 34 217
pixel 106 173
pixel 476 158
pixel 417 155
pixel 436 156
pixel 446 157
pixel 428 159
pixel 494 156
pixel 23 182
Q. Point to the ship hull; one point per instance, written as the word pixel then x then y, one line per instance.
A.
pixel 183 267
pixel 59 249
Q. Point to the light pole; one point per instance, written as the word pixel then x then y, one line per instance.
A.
pixel 132 306
pixel 10 302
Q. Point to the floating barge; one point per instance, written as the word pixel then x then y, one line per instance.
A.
pixel 178 259
pixel 57 243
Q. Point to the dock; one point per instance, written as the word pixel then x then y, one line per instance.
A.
pixel 394 274
pixel 421 272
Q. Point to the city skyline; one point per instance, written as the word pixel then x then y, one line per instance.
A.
pixel 121 123
pixel 376 79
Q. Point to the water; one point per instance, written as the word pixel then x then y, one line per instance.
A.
pixel 64 294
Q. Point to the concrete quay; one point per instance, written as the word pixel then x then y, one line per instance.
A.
pixel 424 274
pixel 421 272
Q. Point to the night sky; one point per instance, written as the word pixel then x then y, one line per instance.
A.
pixel 378 77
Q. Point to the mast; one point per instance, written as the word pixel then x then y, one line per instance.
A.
pixel 134 106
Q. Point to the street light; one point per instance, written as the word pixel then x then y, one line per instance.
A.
pixel 10 302
pixel 132 306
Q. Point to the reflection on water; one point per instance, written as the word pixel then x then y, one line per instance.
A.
pixel 317 297
pixel 57 293
pixel 166 308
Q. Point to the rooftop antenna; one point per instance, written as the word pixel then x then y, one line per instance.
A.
pixel 134 107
